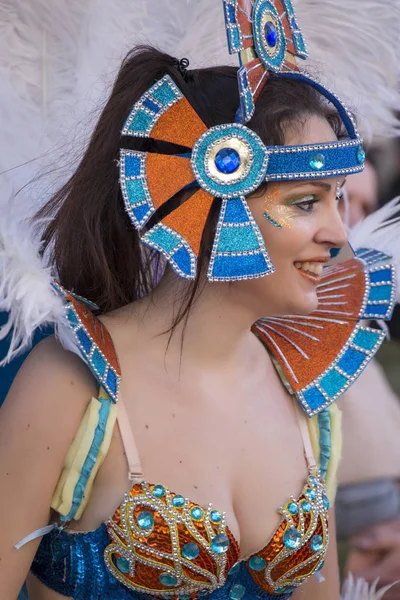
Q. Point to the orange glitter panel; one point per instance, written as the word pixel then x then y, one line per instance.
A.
pixel 310 344
pixel 180 124
pixel 95 328
pixel 167 175
pixel 190 218
pixel 244 20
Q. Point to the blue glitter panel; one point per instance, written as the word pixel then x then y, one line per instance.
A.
pixel 140 212
pixel 239 266
pixel 298 39
pixel 333 382
pixel 99 362
pixel 111 381
pixel 235 212
pixel 237 239
pixel 135 190
pixel 166 94
pixel 84 340
pixel 72 318
pixel 230 13
pixel 351 361
pixel 182 258
pixel 141 121
pixel 314 398
pixel 382 292
pixel 337 157
pixel 164 239
pixel 372 256
pixel 366 339
pixel 384 275
pixel 376 310
pixel 150 105
pixel 132 166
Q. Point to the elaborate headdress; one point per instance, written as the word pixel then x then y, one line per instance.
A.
pixel 226 161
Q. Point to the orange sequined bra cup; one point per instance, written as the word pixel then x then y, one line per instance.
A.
pixel 161 544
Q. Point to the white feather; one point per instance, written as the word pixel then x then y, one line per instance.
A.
pixel 354 47
pixel 380 230
pixel 25 284
pixel 359 589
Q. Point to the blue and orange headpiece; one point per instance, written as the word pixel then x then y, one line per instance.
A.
pixel 226 161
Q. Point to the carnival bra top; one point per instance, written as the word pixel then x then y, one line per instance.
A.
pixel 160 544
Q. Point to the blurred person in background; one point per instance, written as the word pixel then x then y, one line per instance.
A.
pixel 368 499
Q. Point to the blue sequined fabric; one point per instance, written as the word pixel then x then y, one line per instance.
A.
pixel 73 565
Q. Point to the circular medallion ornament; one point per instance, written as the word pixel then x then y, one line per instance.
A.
pixel 269 35
pixel 229 161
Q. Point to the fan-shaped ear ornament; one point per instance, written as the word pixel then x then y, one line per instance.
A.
pixel 226 161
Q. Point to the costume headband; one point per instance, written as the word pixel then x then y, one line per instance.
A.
pixel 226 161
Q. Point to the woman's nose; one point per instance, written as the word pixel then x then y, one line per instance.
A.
pixel 333 230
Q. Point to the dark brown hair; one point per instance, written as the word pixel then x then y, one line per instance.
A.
pixel 95 249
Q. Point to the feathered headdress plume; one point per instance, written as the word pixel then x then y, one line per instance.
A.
pixel 358 589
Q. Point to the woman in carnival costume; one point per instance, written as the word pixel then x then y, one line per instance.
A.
pixel 196 304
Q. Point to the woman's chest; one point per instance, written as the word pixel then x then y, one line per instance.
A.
pixel 235 446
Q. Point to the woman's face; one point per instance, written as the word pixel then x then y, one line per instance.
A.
pixel 307 225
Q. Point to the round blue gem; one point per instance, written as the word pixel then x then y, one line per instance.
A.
pixel 178 501
pixel 317 543
pixel 257 563
pixel 326 502
pixel 220 543
pixel 145 520
pixel 197 513
pixel 227 161
pixel 168 580
pixel 237 592
pixel 158 491
pixel 215 516
pixel 271 34
pixel 317 162
pixel 122 564
pixel 190 551
pixel 292 538
pixel 306 506
pixel 311 494
pixel 360 156
pixel 293 508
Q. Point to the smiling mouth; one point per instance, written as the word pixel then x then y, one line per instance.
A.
pixel 311 269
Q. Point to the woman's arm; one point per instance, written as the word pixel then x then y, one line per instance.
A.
pixel 38 422
pixel 330 588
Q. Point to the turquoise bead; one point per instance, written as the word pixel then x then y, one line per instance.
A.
pixel 158 491
pixel 317 162
pixel 237 592
pixel 145 520
pixel 190 551
pixel 215 516
pixel 292 538
pixel 311 494
pixel 122 564
pixel 314 481
pixel 326 502
pixel 360 156
pixel 220 544
pixel 305 506
pixel 257 563
pixel 168 580
pixel 178 501
pixel 293 508
pixel 197 513
pixel 317 543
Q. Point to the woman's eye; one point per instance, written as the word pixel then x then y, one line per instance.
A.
pixel 307 204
